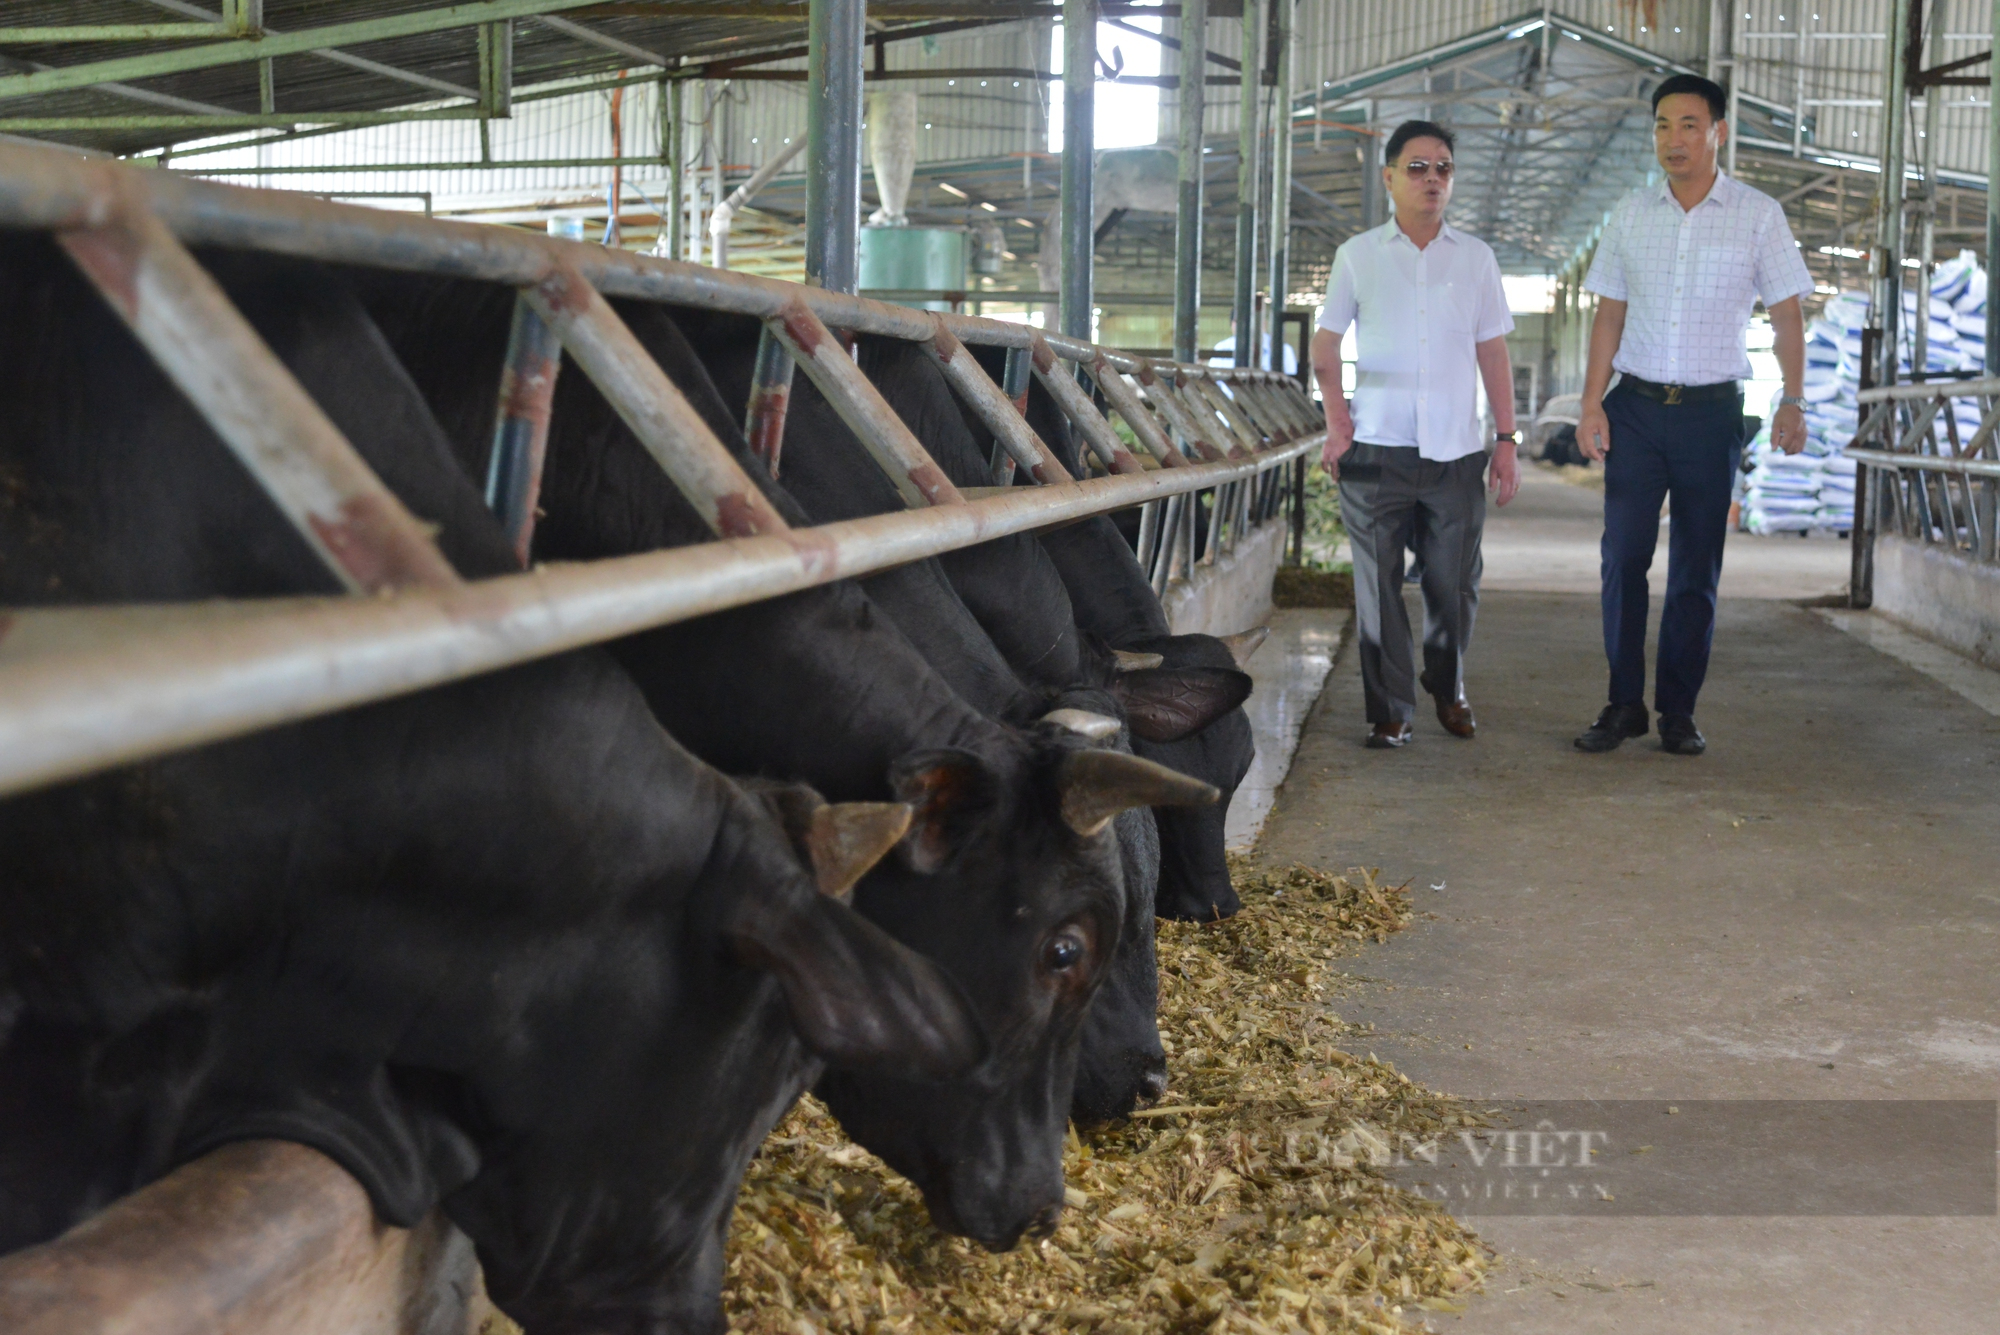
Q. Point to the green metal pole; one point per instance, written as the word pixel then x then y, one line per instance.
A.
pixel 1281 180
pixel 1249 146
pixel 1187 221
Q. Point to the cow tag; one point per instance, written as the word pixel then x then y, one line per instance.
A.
pixel 1244 643
pixel 1127 661
pixel 1085 723
pixel 1167 704
pixel 1097 785
pixel 949 790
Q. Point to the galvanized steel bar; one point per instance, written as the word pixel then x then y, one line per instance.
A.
pixel 1076 405
pixel 356 525
pixel 1187 217
pixel 521 427
pixel 46 188
pixel 993 407
pixel 1926 463
pixel 84 689
pixel 271 45
pixel 1250 143
pixel 650 404
pixel 1165 391
pixel 1278 248
pixel 1888 256
pixel 1077 235
pixel 1951 389
pixel 1248 439
pixel 837 31
pixel 770 398
pixel 1124 401
pixel 861 405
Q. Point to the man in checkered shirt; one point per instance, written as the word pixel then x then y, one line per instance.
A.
pixel 1679 269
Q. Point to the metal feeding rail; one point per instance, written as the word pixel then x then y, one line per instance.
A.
pixel 1921 476
pixel 86 688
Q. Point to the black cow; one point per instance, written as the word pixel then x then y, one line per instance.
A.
pixel 502 945
pixel 1110 597
pixel 999 882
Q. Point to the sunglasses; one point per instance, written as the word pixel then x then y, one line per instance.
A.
pixel 1418 168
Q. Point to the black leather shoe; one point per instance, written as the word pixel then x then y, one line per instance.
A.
pixel 1390 736
pixel 1613 726
pixel 1679 736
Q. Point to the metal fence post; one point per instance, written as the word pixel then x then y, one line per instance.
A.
pixel 1861 538
pixel 1284 12
pixel 1187 220
pixel 837 35
pixel 1249 144
pixel 521 427
pixel 1079 218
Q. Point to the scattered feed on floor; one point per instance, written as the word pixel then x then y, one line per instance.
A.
pixel 1305 586
pixel 1247 1200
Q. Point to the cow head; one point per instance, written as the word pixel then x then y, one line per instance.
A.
pixel 1010 880
pixel 858 998
pixel 1186 715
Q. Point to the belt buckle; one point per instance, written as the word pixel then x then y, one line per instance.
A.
pixel 1673 395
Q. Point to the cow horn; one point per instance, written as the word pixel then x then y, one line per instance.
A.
pixel 1244 643
pixel 1081 721
pixel 848 838
pixel 1131 662
pixel 1097 785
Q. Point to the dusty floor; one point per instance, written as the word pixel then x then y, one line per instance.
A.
pixel 1811 910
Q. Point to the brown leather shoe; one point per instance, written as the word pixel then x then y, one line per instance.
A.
pixel 1454 714
pixel 1456 717
pixel 1390 736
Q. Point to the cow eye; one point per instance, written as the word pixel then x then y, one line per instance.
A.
pixel 1064 951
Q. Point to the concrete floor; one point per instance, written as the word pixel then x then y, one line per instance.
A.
pixel 1811 910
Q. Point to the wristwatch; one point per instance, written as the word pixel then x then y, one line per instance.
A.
pixel 1511 437
pixel 1792 401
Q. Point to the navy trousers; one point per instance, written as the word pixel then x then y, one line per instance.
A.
pixel 1686 452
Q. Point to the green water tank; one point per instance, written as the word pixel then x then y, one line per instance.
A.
pixel 904 259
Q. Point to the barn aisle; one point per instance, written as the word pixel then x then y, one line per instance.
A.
pixel 1809 911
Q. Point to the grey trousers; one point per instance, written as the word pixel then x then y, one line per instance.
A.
pixel 1393 501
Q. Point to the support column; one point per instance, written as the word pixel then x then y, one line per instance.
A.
pixel 1920 331
pixel 1281 177
pixel 836 33
pixel 673 150
pixel 1993 215
pixel 1249 147
pixel 1888 257
pixel 1372 210
pixel 1078 240
pixel 1187 223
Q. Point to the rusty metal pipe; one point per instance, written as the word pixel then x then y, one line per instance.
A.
pixel 181 315
pixel 1002 417
pixel 521 427
pixel 1163 392
pixel 894 446
pixel 48 188
pixel 770 399
pixel 1124 400
pixel 84 689
pixel 1248 438
pixel 1076 405
pixel 663 420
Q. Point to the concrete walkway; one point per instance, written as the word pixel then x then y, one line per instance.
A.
pixel 1810 911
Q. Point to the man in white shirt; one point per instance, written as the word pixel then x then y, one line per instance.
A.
pixel 1431 322
pixel 1677 272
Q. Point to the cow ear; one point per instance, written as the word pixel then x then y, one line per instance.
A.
pixel 1244 643
pixel 1097 785
pixel 1167 704
pixel 859 999
pixel 949 791
pixel 840 841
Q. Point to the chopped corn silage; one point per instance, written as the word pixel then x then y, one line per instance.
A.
pixel 1250 1198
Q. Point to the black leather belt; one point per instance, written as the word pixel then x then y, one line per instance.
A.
pixel 1675 395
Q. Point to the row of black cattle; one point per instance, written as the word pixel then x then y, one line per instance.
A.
pixel 515 946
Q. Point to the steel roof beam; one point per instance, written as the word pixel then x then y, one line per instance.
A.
pixel 308 41
pixel 362 63
pixel 592 37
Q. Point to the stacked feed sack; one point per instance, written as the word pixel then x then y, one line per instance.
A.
pixel 1783 491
